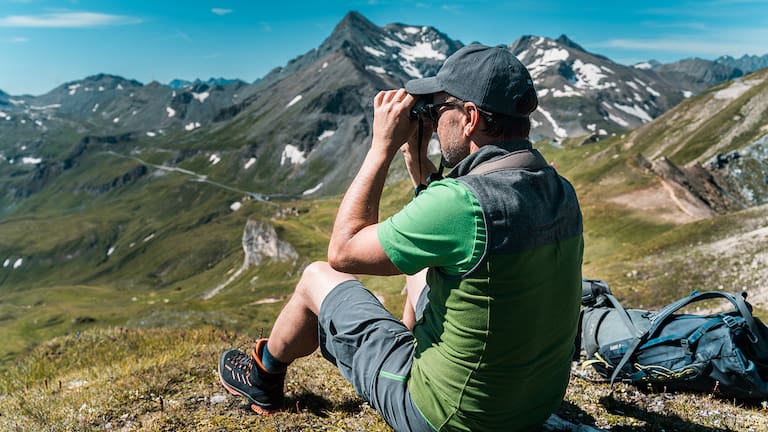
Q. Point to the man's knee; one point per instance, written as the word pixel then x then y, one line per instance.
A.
pixel 317 280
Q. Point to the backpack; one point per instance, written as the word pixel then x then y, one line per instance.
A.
pixel 722 353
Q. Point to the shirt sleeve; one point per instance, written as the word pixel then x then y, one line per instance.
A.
pixel 442 227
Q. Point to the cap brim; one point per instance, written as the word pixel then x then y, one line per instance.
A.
pixel 423 86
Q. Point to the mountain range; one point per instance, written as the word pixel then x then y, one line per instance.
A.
pixel 125 190
pixel 324 95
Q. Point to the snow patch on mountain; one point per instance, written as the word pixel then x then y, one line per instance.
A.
pixel 326 134
pixel 250 163
pixel 45 107
pixel 647 87
pixel 31 160
pixel 294 101
pixel 410 69
pixel 313 190
pixel 411 53
pixel 293 155
pixel 618 120
pixel 171 112
pixel 589 76
pixel 559 132
pixel 374 51
pixel 545 59
pixel 422 50
pixel 376 69
pixel 635 111
pixel 567 91
pixel 201 97
pixel 214 159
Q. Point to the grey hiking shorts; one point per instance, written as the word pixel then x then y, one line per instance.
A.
pixel 373 350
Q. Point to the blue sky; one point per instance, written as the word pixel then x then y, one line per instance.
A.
pixel 46 43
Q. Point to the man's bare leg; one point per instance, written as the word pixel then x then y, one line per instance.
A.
pixel 294 333
pixel 413 286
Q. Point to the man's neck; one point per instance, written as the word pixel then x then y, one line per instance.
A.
pixel 481 140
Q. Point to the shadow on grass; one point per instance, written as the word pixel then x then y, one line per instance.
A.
pixel 321 406
pixel 653 421
pixel 572 413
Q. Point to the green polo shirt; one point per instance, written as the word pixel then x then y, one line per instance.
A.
pixel 443 227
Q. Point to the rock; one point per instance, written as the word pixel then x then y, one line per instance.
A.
pixel 218 399
pixel 260 241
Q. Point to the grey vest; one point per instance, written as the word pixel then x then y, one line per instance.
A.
pixel 523 207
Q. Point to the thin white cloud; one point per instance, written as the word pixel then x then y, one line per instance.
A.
pixel 452 8
pixel 67 20
pixel 19 39
pixel 222 11
pixel 694 46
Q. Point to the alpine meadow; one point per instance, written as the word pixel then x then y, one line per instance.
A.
pixel 146 227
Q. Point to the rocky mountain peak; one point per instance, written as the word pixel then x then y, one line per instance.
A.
pixel 695 74
pixel 351 30
pixel 565 41
pixel 610 97
pixel 746 63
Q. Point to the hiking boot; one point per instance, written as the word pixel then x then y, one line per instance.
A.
pixel 244 375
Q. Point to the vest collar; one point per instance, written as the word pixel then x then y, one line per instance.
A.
pixel 486 153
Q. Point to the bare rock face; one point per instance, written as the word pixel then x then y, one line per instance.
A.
pixel 698 191
pixel 260 242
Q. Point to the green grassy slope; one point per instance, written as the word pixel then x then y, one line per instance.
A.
pixel 165 380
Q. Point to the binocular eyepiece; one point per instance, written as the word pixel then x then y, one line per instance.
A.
pixel 420 108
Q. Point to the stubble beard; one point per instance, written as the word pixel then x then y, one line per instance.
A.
pixel 453 150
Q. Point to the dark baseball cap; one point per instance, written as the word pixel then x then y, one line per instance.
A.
pixel 491 77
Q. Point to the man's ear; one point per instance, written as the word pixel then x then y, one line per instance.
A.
pixel 473 118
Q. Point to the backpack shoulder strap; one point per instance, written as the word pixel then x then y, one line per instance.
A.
pixel 637 336
pixel 529 159
pixel 738 302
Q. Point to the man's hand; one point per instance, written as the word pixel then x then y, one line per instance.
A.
pixel 391 125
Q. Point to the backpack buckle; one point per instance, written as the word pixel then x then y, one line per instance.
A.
pixel 685 344
pixel 730 321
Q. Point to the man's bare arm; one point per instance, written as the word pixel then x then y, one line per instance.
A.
pixel 354 245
